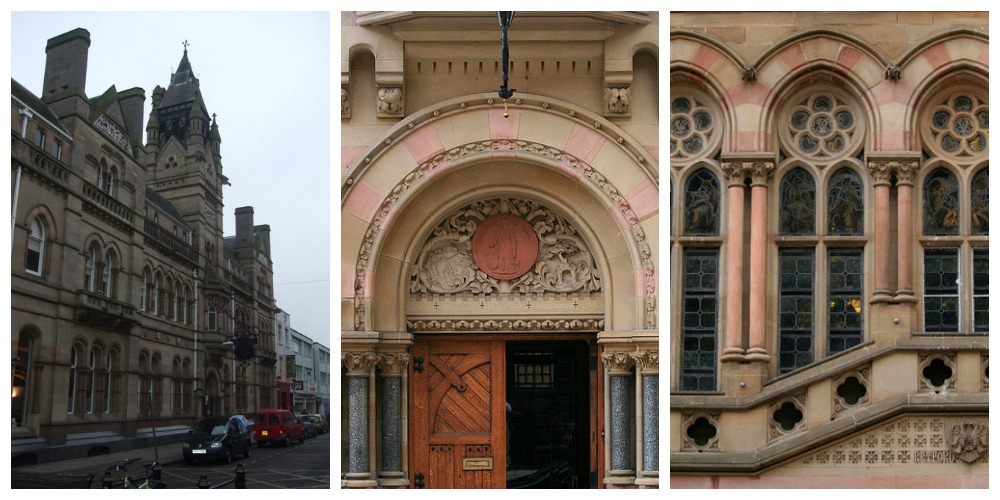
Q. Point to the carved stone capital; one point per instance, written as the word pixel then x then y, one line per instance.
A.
pixel 881 171
pixel 359 364
pixel 760 172
pixel 648 361
pixel 619 363
pixel 905 170
pixel 393 363
pixel 735 173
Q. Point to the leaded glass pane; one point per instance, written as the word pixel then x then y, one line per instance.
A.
pixel 699 330
pixel 981 289
pixel 845 204
pixel 941 290
pixel 846 272
pixel 798 203
pixel 701 203
pixel 795 329
pixel 981 202
pixel 941 203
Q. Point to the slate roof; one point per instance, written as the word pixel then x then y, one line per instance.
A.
pixel 36 104
pixel 165 207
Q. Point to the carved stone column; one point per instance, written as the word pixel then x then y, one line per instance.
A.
pixel 619 366
pixel 760 174
pixel 648 363
pixel 881 171
pixel 393 365
pixel 905 171
pixel 359 367
pixel 733 345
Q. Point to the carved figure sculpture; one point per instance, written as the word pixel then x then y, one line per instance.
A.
pixel 390 100
pixel 619 99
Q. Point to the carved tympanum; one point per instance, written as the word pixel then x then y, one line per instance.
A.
pixel 446 265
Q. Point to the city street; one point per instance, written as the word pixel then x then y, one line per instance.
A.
pixel 305 465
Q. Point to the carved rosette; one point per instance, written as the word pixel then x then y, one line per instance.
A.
pixel 619 363
pixel 359 364
pixel 393 364
pixel 446 265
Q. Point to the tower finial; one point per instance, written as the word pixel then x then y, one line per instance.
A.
pixel 185 44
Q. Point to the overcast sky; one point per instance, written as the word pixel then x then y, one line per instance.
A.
pixel 267 77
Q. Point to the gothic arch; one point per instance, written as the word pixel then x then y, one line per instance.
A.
pixel 556 150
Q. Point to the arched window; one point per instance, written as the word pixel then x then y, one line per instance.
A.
pixel 156 292
pixel 106 178
pixel 114 394
pixel 72 397
pixel 696 230
pixel 212 319
pixel 108 283
pixel 35 254
pixel 90 270
pixel 145 385
pixel 821 228
pixel 91 375
pixel 21 378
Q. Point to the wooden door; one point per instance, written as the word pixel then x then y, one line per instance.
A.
pixel 458 414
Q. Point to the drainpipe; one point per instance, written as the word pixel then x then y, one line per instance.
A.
pixel 13 208
pixel 196 311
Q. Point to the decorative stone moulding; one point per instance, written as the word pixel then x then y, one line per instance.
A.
pixel 618 101
pixel 910 441
pixel 345 102
pixel 852 390
pixel 937 372
pixel 986 372
pixel 787 416
pixel 700 432
pixel 390 102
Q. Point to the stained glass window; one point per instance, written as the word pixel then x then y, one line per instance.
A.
pixel 941 203
pixel 846 291
pixel 692 128
pixel 798 203
pixel 821 126
pixel 981 289
pixel 795 308
pixel 941 290
pixel 980 217
pixel 700 318
pixel 701 203
pixel 959 126
pixel 845 203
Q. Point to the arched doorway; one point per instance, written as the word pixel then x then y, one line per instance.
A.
pixel 453 318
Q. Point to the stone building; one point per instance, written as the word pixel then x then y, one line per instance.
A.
pixel 829 240
pixel 499 254
pixel 124 289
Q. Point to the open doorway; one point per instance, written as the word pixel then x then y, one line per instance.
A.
pixel 548 400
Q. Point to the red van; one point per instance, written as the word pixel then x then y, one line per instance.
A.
pixel 277 426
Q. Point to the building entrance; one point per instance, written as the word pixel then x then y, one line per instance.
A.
pixel 503 412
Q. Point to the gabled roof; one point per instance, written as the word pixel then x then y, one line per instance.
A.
pixel 24 95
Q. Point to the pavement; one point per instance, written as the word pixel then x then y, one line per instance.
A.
pixel 166 454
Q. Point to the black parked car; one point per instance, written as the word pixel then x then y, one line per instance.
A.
pixel 217 438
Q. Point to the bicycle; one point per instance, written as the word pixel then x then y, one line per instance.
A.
pixel 116 476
